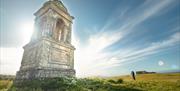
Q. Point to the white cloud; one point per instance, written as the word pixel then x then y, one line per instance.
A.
pixel 90 60
pixel 145 11
pixel 152 49
pixel 10 59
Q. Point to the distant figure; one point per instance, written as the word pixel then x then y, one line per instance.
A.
pixel 133 75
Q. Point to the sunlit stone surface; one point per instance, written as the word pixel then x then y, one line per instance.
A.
pixel 49 53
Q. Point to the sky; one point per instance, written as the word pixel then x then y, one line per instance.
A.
pixel 111 37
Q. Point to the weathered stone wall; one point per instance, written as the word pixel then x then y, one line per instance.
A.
pixel 47 58
pixel 44 73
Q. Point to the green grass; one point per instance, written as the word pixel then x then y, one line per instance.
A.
pixel 5 84
pixel 171 77
pixel 152 82
pixel 144 82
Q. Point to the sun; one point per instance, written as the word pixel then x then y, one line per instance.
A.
pixel 26 29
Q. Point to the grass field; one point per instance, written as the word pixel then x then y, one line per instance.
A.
pixel 152 82
pixel 170 77
pixel 144 82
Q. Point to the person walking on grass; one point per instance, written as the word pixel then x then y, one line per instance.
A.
pixel 133 75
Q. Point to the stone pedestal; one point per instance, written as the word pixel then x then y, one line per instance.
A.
pixel 44 73
pixel 47 58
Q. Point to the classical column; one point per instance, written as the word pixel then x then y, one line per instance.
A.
pixel 60 35
pixel 65 34
pixel 69 36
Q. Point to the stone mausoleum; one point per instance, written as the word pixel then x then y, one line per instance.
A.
pixel 50 52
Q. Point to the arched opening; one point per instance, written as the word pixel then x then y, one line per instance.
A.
pixel 59 29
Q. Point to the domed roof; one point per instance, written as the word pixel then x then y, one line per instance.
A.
pixel 58 3
pixel 55 5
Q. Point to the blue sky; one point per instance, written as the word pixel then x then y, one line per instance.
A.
pixel 112 37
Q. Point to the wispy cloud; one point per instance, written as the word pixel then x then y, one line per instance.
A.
pixel 92 60
pixel 144 12
pixel 151 49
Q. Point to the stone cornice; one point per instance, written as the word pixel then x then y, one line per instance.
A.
pixel 33 43
pixel 56 8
